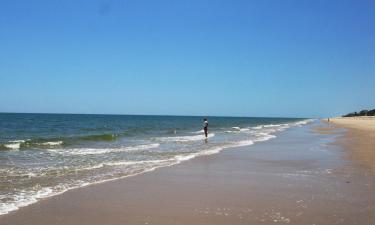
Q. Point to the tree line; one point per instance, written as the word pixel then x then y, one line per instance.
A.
pixel 361 113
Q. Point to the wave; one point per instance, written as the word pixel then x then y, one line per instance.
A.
pixel 100 137
pixel 264 137
pixel 185 138
pixel 213 150
pixel 27 197
pixel 272 125
pixel 304 122
pixel 54 142
pixel 14 144
pixel 237 130
pixel 20 144
pixel 95 151
pixel 122 163
pixel 198 132
pixel 158 163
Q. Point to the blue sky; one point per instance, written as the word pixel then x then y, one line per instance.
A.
pixel 236 58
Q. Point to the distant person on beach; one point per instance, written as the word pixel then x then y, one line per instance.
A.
pixel 205 127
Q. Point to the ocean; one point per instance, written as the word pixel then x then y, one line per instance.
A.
pixel 42 155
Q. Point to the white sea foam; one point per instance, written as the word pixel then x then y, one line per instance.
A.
pixel 185 138
pixel 94 151
pixel 14 145
pixel 181 158
pixel 244 129
pixel 109 164
pixel 198 132
pixel 23 199
pixel 237 130
pixel 272 125
pixel 244 143
pixel 264 137
pixel 127 163
pixel 213 150
pixel 52 143
pixel 304 122
pixel 26 198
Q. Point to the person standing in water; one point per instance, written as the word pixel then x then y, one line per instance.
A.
pixel 205 127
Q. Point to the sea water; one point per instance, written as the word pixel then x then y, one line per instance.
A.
pixel 46 154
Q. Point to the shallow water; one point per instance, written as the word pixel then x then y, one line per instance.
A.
pixel 46 154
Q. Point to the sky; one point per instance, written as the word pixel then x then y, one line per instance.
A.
pixel 302 58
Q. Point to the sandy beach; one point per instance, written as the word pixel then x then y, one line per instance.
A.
pixel 292 179
pixel 359 139
pixel 360 122
pixel 187 112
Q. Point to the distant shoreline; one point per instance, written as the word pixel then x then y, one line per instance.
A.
pixel 359 122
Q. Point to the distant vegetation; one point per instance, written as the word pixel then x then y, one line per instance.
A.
pixel 361 113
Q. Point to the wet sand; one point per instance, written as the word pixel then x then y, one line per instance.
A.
pixel 295 178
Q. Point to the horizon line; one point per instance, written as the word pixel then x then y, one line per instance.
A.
pixel 117 114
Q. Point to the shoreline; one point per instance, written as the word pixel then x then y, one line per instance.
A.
pixel 31 198
pixel 270 182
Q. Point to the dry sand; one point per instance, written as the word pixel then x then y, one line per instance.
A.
pixel 366 123
pixel 287 180
pixel 359 139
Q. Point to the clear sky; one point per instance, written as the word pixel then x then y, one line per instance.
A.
pixel 302 58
